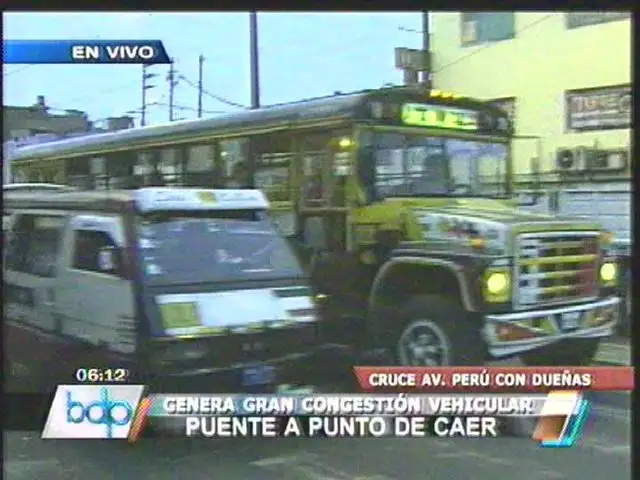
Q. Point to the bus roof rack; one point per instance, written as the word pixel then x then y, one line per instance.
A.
pixel 37 187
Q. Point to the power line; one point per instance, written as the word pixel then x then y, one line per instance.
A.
pixel 491 44
pixel 215 97
pixel 103 92
pixel 18 70
pixel 192 109
pixel 482 47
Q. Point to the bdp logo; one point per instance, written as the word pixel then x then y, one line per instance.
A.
pixel 105 411
pixel 93 411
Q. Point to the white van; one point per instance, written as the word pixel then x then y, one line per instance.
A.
pixel 182 289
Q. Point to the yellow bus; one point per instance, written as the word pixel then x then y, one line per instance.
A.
pixel 400 202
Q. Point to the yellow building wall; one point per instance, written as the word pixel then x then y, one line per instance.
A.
pixel 536 67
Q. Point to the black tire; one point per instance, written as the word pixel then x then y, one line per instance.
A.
pixel 572 353
pixel 446 322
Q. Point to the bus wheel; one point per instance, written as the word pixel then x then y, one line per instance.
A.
pixel 437 331
pixel 572 353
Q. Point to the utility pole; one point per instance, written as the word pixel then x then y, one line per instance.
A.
pixel 200 87
pixel 145 86
pixel 172 86
pixel 426 49
pixel 254 54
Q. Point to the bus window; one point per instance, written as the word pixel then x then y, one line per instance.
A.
pixel 155 168
pixel 78 173
pixel 98 167
pixel 234 160
pixel 273 156
pixel 200 165
pixel 325 169
pixel 120 169
pixel 170 166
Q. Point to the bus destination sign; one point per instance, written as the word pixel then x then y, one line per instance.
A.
pixel 436 116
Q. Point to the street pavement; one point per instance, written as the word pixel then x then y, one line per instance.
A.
pixel 617 352
pixel 603 452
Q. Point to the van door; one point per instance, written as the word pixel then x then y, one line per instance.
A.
pixel 95 297
pixel 31 273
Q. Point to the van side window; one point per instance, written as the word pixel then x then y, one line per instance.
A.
pixel 34 243
pixel 95 251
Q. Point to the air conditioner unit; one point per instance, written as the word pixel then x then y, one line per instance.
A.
pixel 607 160
pixel 572 159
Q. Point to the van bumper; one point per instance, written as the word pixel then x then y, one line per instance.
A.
pixel 539 328
pixel 319 365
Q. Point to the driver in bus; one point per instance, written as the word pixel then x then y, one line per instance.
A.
pixel 435 176
pixel 240 176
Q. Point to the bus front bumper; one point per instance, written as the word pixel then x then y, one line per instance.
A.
pixel 512 334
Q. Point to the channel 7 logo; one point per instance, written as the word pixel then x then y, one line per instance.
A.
pixel 92 411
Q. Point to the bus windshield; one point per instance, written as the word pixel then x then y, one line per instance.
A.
pixel 419 165
pixel 190 248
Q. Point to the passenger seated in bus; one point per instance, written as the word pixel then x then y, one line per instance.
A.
pixel 240 176
pixel 433 180
pixel 157 179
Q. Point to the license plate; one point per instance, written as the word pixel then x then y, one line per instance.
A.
pixel 570 320
pixel 258 375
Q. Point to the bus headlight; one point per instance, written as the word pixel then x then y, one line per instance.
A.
pixel 497 286
pixel 608 273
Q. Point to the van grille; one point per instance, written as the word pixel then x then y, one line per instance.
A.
pixel 555 268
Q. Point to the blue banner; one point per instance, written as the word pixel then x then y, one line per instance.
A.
pixel 84 51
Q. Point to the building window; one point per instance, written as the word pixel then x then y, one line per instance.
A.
pixel 480 27
pixel 584 19
pixel 603 108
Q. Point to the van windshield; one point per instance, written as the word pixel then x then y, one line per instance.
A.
pixel 219 246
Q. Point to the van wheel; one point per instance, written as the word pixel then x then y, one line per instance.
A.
pixel 437 331
pixel 572 353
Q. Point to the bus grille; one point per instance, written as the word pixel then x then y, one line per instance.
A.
pixel 555 268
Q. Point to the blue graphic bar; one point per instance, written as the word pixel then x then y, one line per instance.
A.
pixel 84 51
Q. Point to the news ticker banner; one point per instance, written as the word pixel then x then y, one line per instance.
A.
pixel 123 412
pixel 495 379
pixel 84 51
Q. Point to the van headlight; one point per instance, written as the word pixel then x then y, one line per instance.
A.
pixel 497 285
pixel 608 273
